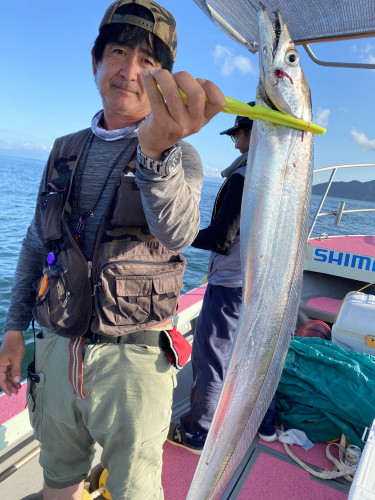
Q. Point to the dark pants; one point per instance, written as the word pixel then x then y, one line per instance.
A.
pixel 212 347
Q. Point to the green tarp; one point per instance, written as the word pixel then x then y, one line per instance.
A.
pixel 326 390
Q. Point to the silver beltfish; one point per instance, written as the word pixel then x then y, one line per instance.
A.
pixel 274 228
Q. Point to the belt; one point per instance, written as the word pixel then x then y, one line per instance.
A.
pixel 144 337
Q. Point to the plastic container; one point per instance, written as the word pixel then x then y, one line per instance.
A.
pixel 363 487
pixel 354 328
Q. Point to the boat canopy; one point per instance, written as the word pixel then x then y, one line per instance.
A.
pixel 308 21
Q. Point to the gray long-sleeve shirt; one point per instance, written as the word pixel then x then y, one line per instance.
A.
pixel 171 206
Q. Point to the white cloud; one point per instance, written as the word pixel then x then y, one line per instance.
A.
pixel 322 116
pixel 368 54
pixel 370 59
pixel 363 55
pixel 211 172
pixel 14 143
pixel 229 62
pixel 35 147
pixel 362 141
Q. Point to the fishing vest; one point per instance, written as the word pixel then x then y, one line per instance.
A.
pixel 132 283
pixel 241 169
pixel 225 270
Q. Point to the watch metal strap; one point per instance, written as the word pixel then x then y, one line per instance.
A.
pixel 158 166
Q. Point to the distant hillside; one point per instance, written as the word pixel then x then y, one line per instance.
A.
pixel 353 190
pixel 214 180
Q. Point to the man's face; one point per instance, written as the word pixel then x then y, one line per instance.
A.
pixel 242 140
pixel 118 77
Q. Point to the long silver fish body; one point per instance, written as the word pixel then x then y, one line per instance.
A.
pixel 274 229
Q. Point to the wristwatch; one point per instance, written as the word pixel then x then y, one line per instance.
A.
pixel 170 161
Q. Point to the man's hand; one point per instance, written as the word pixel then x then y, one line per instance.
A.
pixel 171 119
pixel 12 351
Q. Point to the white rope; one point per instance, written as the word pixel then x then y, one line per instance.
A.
pixel 341 469
pixel 340 465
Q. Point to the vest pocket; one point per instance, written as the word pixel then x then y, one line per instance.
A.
pixel 134 299
pixel 128 211
pixel 56 306
pixel 166 292
pixel 144 298
pixel 51 208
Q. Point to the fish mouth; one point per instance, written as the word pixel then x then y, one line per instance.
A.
pixel 271 41
pixel 267 101
pixel 270 29
pixel 277 29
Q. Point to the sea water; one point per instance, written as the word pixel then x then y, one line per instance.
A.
pixel 18 191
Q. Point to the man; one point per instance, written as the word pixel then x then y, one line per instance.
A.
pixel 220 311
pixel 101 265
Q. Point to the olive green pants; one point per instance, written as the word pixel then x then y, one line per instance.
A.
pixel 126 409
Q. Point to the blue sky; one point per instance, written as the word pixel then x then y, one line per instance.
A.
pixel 47 88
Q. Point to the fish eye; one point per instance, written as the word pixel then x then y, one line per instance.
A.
pixel 291 57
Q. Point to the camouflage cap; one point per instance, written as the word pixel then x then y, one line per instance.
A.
pixel 164 25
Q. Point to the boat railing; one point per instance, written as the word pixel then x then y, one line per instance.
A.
pixel 340 211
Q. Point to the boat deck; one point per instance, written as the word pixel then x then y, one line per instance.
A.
pixel 268 474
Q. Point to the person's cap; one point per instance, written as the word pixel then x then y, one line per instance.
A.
pixel 240 123
pixel 164 25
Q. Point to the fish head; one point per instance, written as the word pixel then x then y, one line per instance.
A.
pixel 282 84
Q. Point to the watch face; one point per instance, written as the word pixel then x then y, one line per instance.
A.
pixel 174 159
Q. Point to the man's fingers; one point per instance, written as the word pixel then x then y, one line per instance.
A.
pixel 153 93
pixel 5 381
pixel 6 389
pixel 193 111
pixel 172 105
pixel 15 371
pixel 167 124
pixel 173 117
pixel 204 99
pixel 215 98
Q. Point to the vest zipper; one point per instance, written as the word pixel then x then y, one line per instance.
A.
pixel 82 257
pixel 146 263
pixel 98 285
pixel 68 293
pixel 67 297
pixel 114 264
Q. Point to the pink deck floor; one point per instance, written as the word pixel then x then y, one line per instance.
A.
pixel 9 407
pixel 324 304
pixel 270 478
